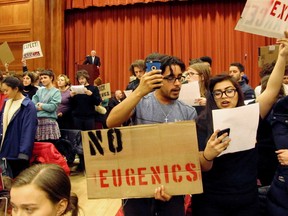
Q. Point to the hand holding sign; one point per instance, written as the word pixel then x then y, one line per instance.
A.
pixel 283 49
pixel 264 17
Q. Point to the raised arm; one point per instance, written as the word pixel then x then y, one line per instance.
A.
pixel 270 95
pixel 123 111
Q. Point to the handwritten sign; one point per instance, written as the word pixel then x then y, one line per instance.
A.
pixel 32 50
pixel 105 91
pixel 125 162
pixel 264 17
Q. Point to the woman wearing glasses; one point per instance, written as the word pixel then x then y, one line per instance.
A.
pixel 230 186
pixel 199 72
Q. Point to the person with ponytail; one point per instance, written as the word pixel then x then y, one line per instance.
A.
pixel 43 189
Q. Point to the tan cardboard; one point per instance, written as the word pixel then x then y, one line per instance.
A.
pixel 132 161
pixel 267 54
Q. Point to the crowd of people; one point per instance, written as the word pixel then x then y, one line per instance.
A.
pixel 37 109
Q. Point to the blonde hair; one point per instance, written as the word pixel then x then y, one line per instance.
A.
pixel 66 79
pixel 204 72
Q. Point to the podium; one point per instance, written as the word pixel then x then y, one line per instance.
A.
pixel 92 70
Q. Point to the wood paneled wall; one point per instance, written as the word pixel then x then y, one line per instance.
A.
pixel 22 21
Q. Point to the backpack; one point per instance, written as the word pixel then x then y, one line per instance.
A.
pixel 65 147
pixel 74 136
pixel 45 152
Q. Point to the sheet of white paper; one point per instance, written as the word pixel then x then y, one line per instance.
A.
pixel 264 17
pixel 79 89
pixel 189 92
pixel 243 123
pixel 127 92
pixel 246 102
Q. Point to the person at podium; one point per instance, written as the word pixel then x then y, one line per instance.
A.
pixel 92 59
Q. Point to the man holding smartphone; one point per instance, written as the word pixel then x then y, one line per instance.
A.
pixel 147 106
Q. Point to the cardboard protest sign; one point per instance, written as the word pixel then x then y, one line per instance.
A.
pixel 267 54
pixel 264 17
pixel 132 161
pixel 6 54
pixel 105 91
pixel 32 50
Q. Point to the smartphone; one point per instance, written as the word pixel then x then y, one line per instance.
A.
pixel 227 130
pixel 153 65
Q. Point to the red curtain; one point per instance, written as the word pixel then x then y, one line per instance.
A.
pixel 72 4
pixel 121 35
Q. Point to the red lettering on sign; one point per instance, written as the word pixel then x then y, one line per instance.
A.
pixel 102 178
pixel 280 16
pixel 175 169
pixel 141 176
pixel 116 176
pixel 190 168
pixel 130 179
pixel 275 8
pixel 155 175
pixel 166 173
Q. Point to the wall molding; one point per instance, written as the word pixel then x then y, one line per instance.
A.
pixel 21 32
pixel 3 2
pixel 19 28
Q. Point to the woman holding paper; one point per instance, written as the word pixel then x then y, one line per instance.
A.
pixel 199 72
pixel 83 106
pixel 230 187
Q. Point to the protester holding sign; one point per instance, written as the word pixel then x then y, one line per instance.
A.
pixel 146 106
pixel 28 81
pixel 230 187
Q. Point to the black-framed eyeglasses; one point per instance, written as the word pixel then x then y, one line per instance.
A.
pixel 217 94
pixel 172 79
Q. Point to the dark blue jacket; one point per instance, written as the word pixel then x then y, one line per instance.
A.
pixel 20 134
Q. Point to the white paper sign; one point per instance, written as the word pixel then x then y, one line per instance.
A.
pixel 264 17
pixel 79 89
pixel 189 93
pixel 32 50
pixel 243 123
